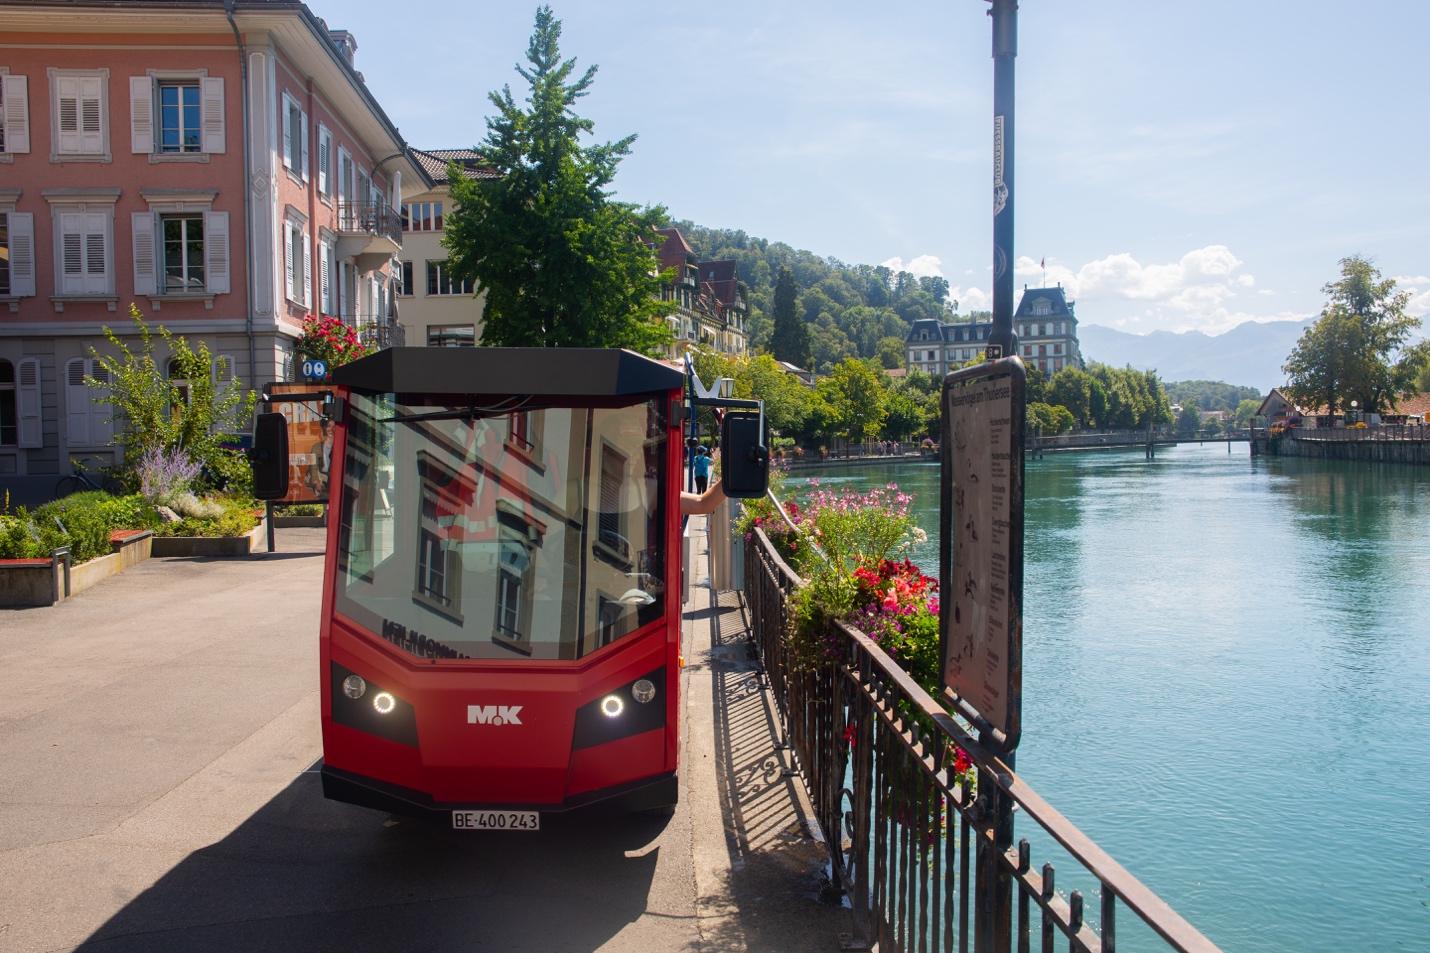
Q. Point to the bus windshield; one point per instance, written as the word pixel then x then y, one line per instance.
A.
pixel 476 533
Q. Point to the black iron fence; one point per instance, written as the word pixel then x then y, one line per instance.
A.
pixel 373 218
pixel 381 334
pixel 924 852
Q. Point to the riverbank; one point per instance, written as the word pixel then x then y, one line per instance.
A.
pixel 1355 446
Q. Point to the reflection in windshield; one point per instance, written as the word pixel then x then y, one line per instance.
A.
pixel 533 534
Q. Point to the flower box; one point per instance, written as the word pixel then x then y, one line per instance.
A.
pixel 28 583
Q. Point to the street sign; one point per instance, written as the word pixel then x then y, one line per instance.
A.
pixel 315 370
pixel 981 545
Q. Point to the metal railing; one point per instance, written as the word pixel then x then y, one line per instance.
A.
pixel 372 218
pixel 381 334
pixel 1379 432
pixel 927 859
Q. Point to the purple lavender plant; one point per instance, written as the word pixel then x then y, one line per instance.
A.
pixel 164 474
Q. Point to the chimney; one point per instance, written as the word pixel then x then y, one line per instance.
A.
pixel 345 43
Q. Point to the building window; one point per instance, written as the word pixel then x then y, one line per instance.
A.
pixel 608 619
pixel 298 265
pixel 612 545
pixel 295 137
pixel 179 127
pixel 1042 306
pixel 422 217
pixel 325 161
pixel 5 256
pixel 439 281
pixel 9 421
pixel 80 114
pixel 183 263
pixel 406 287
pixel 89 418
pixel 432 574
pixel 452 335
pixel 1057 349
pixel 1062 327
pixel 84 253
pixel 514 565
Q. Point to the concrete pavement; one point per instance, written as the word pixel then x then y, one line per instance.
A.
pixel 157 735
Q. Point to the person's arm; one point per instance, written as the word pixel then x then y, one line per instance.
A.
pixel 701 504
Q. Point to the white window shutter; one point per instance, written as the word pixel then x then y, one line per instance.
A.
pixel 325 144
pixel 325 279
pixel 70 273
pixel 91 115
pixel 216 262
pixel 101 411
pixel 96 254
pixel 287 123
pixel 68 89
pixel 141 114
pixel 31 432
pixel 17 113
pixel 211 113
pixel 307 271
pixel 288 260
pixel 303 148
pixel 22 252
pixel 77 404
pixel 145 259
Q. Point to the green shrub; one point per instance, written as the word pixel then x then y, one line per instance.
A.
pixel 82 522
pixel 235 517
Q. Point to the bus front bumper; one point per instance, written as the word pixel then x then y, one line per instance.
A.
pixel 646 794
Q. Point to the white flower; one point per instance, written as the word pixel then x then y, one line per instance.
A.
pixel 920 537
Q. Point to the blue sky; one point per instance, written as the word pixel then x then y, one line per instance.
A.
pixel 1179 165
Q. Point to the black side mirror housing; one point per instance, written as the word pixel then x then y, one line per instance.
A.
pixel 269 457
pixel 744 457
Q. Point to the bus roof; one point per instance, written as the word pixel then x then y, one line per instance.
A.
pixel 593 372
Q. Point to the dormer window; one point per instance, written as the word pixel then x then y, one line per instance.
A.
pixel 1042 306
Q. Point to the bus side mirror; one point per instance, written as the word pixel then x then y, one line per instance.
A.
pixel 744 458
pixel 269 457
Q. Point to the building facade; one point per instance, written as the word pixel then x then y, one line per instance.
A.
pixel 435 310
pixel 711 301
pixel 225 171
pixel 1045 324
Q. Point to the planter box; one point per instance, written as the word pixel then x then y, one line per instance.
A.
pixel 219 547
pixel 44 582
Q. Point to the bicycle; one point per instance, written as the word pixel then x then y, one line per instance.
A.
pixel 81 480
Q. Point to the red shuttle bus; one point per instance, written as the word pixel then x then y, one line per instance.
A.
pixel 501 611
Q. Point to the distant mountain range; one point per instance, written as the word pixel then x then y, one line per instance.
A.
pixel 1250 354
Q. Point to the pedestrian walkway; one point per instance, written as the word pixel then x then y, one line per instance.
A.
pixel 159 732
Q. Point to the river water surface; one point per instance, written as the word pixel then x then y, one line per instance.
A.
pixel 1227 683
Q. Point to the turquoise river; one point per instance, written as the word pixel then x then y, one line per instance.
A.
pixel 1227 683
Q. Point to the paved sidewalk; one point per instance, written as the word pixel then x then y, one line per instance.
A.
pixel 157 735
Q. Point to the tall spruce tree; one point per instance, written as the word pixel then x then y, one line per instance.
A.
pixel 561 262
pixel 789 341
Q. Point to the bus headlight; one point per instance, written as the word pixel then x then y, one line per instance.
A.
pixel 383 703
pixel 354 686
pixel 612 706
pixel 643 690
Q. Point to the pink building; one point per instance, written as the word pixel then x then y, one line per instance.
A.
pixel 220 165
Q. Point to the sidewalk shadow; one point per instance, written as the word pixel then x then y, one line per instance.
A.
pixel 304 873
pixel 777 860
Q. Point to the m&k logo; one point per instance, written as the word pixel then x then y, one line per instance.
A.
pixel 494 714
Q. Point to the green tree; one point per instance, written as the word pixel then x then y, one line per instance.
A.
pixel 854 392
pixel 905 416
pixel 1245 410
pixel 1349 353
pixel 562 263
pixel 789 338
pixel 1189 420
pixel 151 409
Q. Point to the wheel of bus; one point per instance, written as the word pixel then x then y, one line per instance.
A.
pixel 67 485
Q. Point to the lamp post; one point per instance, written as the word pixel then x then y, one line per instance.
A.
pixel 1353 411
pixel 1005 49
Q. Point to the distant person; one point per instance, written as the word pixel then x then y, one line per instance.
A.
pixel 702 469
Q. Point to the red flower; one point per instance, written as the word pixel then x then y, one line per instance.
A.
pixel 849 732
pixel 961 761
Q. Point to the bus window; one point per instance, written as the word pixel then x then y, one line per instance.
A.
pixel 537 534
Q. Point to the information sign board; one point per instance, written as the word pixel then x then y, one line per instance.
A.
pixel 981 543
pixel 310 439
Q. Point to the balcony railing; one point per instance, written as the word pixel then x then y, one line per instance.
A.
pixel 370 218
pixel 381 334
pixel 926 856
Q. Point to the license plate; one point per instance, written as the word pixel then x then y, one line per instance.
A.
pixel 496 821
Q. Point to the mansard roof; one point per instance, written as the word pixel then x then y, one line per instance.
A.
pixel 1061 307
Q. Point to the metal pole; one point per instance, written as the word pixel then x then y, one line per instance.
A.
pixel 1005 49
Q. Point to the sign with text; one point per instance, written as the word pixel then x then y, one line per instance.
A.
pixel 981 543
pixel 310 439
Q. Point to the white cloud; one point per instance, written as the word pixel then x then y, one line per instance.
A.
pixel 970 299
pixel 1419 288
pixel 1198 290
pixel 924 266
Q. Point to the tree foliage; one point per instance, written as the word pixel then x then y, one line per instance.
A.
pixel 854 392
pixel 789 336
pixel 1350 352
pixel 187 412
pixel 1210 395
pixel 562 263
